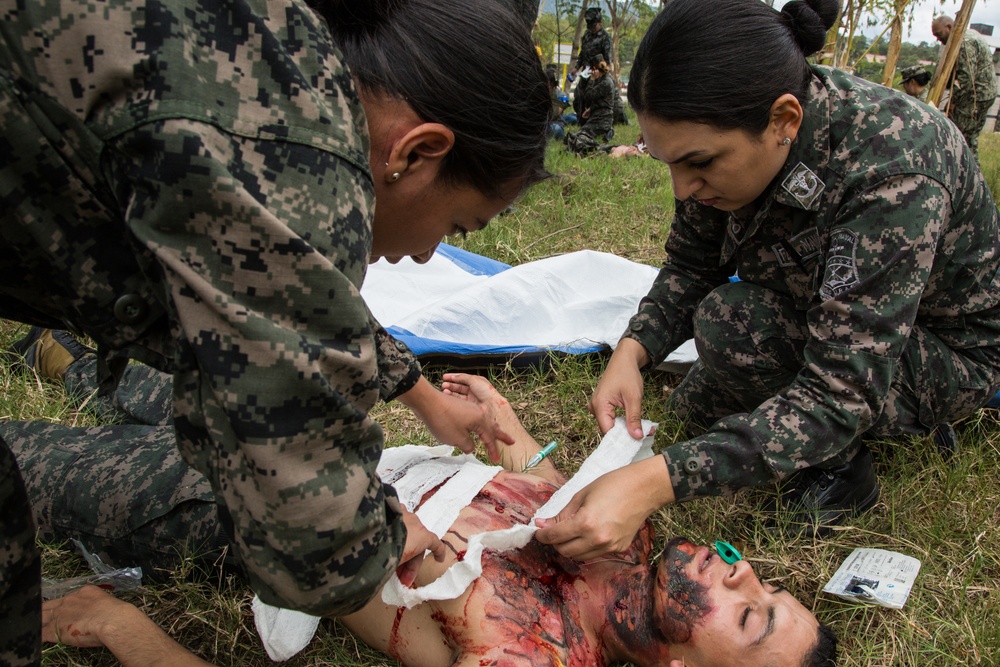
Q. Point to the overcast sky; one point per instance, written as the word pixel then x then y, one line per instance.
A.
pixel 985 12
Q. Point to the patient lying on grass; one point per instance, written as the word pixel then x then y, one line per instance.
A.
pixel 531 606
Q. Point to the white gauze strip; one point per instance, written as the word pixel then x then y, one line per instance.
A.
pixel 617 449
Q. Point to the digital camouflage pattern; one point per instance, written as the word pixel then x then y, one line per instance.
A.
pixel 593 44
pixel 973 89
pixel 878 244
pixel 598 98
pixel 911 72
pixel 123 491
pixel 187 182
pixel 20 571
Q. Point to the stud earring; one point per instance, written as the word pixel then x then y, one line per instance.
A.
pixel 394 177
pixel 786 141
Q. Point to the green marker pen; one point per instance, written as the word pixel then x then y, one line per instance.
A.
pixel 727 552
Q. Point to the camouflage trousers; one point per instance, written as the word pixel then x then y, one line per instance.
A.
pixel 971 121
pixel 583 143
pixel 751 342
pixel 20 571
pixel 123 490
pixel 144 395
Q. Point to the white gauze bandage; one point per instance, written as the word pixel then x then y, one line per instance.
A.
pixel 617 449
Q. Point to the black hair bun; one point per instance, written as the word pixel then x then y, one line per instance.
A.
pixel 809 21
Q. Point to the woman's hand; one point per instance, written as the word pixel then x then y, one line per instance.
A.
pixel 621 387
pixel 419 540
pixel 453 421
pixel 606 514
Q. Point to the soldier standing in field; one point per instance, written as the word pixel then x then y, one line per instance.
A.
pixel 192 184
pixel 974 83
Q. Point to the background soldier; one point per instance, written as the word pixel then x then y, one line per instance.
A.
pixel 914 80
pixel 595 44
pixel 974 84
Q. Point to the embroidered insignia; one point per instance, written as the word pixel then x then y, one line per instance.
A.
pixel 841 265
pixel 803 184
pixel 785 259
pixel 800 250
pixel 807 244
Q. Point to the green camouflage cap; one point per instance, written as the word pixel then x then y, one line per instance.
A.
pixel 911 72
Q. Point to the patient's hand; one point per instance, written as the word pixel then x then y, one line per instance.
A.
pixel 479 391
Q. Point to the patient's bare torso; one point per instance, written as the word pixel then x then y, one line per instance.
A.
pixel 524 609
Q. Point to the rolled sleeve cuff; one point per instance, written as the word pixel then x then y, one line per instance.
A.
pixel 651 334
pixel 716 465
pixel 692 471
pixel 404 385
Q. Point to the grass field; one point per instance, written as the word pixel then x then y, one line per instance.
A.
pixel 945 514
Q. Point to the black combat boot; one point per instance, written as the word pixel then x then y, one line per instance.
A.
pixel 944 438
pixel 815 499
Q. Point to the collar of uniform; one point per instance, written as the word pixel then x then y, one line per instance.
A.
pixel 799 183
pixel 742 224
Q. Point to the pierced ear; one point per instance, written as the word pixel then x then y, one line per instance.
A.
pixel 423 145
pixel 786 116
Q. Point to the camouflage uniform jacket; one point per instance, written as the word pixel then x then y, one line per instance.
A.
pixel 592 44
pixel 187 182
pixel 599 98
pixel 975 85
pixel 879 221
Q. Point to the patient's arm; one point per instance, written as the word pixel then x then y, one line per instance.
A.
pixel 513 457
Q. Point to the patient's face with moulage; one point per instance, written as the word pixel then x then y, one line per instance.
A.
pixel 721 614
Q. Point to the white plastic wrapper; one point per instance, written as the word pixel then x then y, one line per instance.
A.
pixel 105 576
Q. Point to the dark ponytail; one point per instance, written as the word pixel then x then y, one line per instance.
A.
pixel 725 62
pixel 467 64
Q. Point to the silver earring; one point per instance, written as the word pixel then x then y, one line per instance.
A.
pixel 786 141
pixel 394 177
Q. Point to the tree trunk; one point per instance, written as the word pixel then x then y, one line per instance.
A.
pixel 843 55
pixel 581 22
pixel 829 54
pixel 895 41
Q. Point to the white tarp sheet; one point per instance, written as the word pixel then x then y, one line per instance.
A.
pixel 465 304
